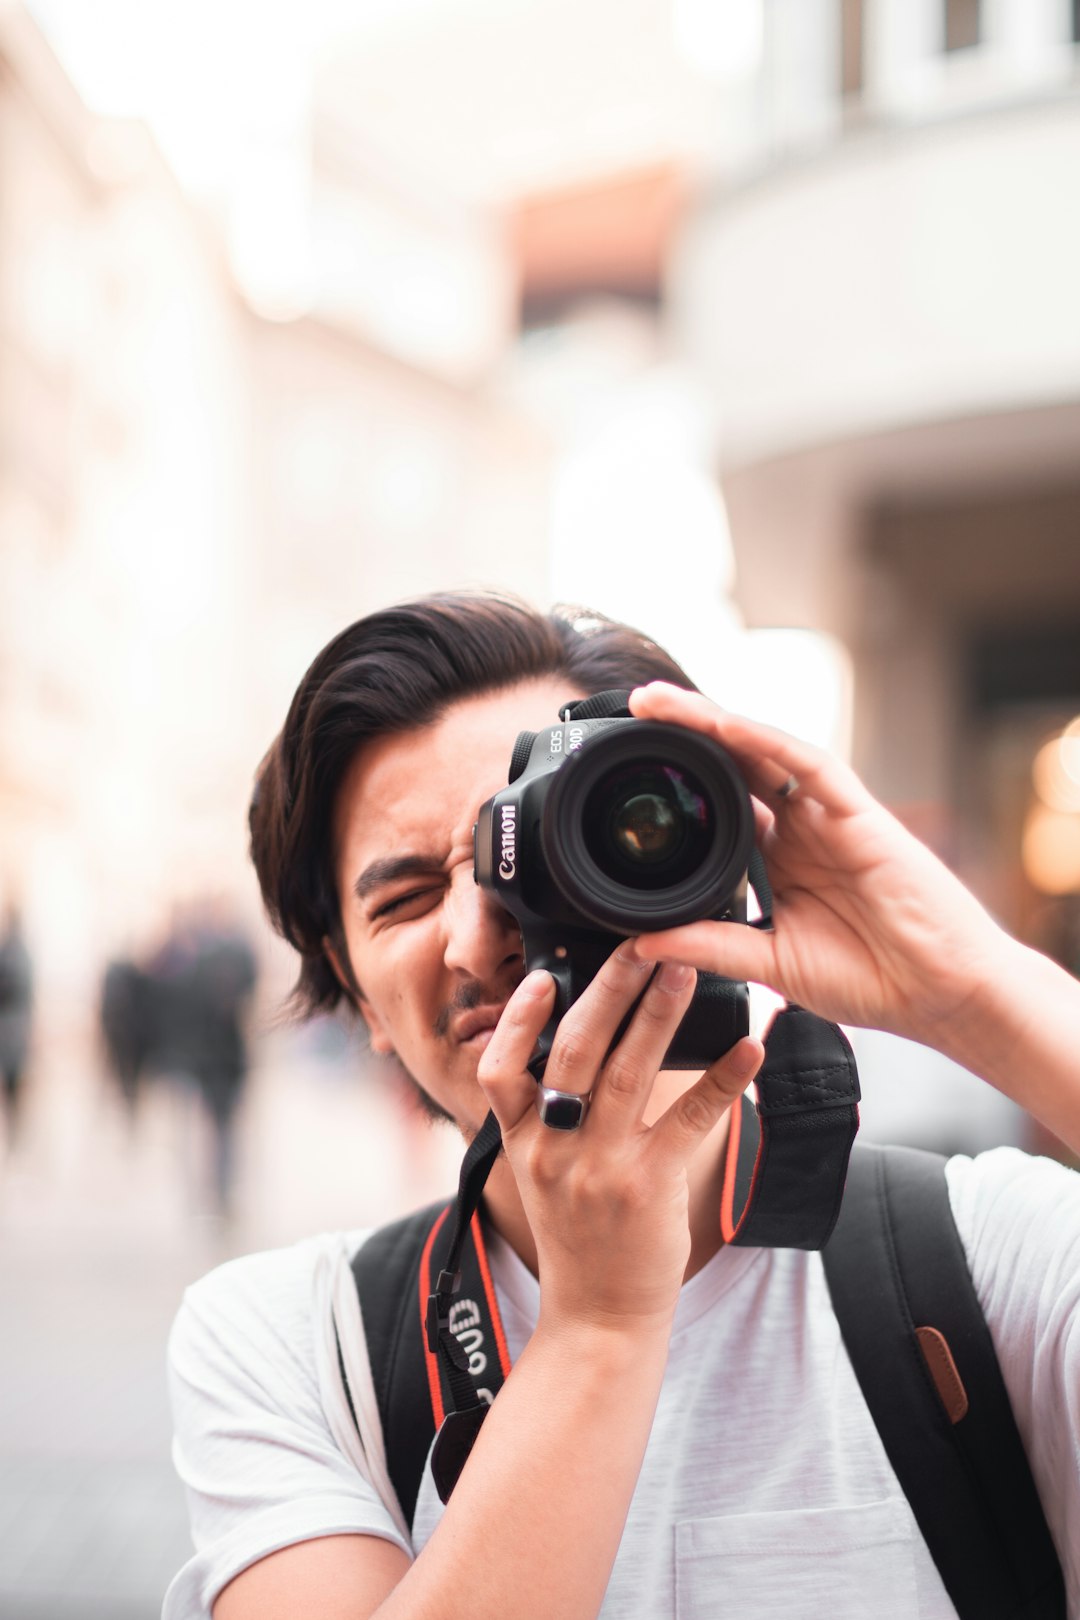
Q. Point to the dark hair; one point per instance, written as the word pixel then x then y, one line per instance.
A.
pixel 390 672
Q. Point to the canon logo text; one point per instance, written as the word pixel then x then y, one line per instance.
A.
pixel 508 843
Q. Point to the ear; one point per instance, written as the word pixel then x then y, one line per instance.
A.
pixel 380 1041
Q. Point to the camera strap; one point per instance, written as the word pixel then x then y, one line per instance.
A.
pixel 454 1389
pixel 786 1160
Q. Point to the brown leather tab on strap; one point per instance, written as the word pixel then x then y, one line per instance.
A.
pixel 947 1380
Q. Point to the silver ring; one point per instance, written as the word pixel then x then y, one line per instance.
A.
pixel 786 789
pixel 562 1110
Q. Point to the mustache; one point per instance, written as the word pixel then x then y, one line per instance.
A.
pixel 466 997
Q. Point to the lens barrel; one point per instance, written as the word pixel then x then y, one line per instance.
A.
pixel 647 826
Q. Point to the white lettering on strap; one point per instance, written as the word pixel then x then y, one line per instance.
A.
pixel 464 1322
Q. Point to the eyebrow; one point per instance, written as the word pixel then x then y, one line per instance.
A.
pixel 389 868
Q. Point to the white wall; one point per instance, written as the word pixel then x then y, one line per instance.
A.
pixel 901 277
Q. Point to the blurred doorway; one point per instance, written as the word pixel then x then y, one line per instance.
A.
pixel 990 588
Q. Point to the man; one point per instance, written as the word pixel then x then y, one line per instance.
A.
pixel 681 1434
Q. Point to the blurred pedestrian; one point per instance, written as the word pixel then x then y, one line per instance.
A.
pixel 203 980
pixel 223 981
pixel 16 1004
pixel 127 1025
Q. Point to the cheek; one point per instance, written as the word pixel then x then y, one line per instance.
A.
pixel 394 1002
pixel 399 969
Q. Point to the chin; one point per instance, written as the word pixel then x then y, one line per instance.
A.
pixel 425 1102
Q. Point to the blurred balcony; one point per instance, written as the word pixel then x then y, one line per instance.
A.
pixel 899 275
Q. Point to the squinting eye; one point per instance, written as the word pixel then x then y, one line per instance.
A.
pixel 399 902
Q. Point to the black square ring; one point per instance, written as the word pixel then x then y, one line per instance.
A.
pixel 561 1110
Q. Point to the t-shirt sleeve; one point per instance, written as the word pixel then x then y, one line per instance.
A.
pixel 252 1443
pixel 1019 1222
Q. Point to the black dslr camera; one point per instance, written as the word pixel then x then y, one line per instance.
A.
pixel 612 827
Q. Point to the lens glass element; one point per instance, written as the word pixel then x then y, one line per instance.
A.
pixel 647 825
pixel 646 828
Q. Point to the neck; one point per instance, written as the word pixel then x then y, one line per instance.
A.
pixel 705 1173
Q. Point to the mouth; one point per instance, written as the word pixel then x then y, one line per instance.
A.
pixel 474 1029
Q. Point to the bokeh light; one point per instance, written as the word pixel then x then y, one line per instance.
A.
pixel 1056 773
pixel 1051 851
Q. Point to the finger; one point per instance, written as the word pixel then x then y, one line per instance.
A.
pixel 630 1071
pixel 587 1030
pixel 686 1124
pixel 502 1073
pixel 768 758
pixel 732 949
pixel 764 821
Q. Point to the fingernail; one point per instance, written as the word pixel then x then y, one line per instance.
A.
pixel 627 954
pixel 674 976
pixel 535 984
pixel 743 1059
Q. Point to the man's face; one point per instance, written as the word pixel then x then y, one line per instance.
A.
pixel 435 957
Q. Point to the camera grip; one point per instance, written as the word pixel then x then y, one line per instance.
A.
pixel 717 1017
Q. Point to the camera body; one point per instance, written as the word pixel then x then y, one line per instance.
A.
pixel 611 827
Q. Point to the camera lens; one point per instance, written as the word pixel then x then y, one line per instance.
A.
pixel 647 825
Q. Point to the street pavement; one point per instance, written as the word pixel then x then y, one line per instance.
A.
pixel 103 1221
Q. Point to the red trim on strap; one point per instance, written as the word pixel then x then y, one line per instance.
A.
pixel 731 1160
pixel 434 1385
pixel 760 1154
pixel 489 1290
pixel 729 1226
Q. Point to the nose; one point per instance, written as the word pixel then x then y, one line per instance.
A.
pixel 482 938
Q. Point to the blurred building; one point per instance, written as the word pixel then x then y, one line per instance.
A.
pixel 122 526
pixel 756 314
pixel 202 476
pixel 383 463
pixel 877 287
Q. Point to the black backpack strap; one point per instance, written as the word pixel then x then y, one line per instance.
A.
pixel 395 1272
pixel 925 1362
pixel 386 1270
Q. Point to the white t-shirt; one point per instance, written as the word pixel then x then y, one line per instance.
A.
pixel 764 1479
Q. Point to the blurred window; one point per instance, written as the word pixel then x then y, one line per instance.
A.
pixel 962 24
pixel 1011 664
